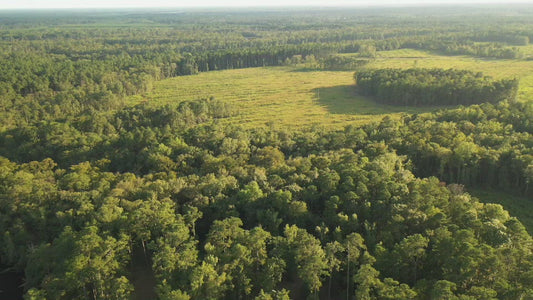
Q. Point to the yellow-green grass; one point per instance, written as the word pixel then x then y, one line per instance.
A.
pixel 290 96
pixel 517 206
pixel 400 53
pixel 527 50
pixel 497 68
pixel 285 96
pixel 403 53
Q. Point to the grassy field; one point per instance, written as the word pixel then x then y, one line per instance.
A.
pixel 497 68
pixel 286 96
pixel 291 96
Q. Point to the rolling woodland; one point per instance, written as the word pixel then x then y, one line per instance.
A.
pixel 104 198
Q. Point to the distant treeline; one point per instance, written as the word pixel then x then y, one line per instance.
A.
pixel 433 87
pixel 452 46
pixel 512 38
pixel 64 70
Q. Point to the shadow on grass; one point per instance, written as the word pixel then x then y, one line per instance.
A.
pixel 343 99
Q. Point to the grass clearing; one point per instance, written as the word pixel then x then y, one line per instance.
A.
pixel 497 68
pixel 295 97
pixel 527 50
pixel 285 96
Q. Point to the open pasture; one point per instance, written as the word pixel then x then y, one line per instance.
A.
pixel 285 96
pixel 294 97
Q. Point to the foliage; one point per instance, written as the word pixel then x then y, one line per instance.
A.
pixel 93 186
pixel 419 87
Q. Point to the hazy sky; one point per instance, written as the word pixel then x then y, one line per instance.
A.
pixel 9 4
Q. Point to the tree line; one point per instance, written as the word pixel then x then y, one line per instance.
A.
pixel 419 87
pixel 78 66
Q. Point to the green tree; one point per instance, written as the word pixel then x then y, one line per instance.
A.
pixel 310 258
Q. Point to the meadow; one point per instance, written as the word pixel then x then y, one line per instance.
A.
pixel 296 97
pixel 285 96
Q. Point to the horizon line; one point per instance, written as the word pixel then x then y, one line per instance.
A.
pixel 354 5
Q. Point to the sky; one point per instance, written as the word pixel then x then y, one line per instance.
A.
pixel 34 4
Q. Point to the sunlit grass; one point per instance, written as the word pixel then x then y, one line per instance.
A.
pixel 285 96
pixel 527 50
pixel 294 97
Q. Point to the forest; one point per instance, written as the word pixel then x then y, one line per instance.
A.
pixel 417 87
pixel 103 198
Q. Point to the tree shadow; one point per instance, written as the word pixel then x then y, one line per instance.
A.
pixel 344 99
pixel 142 275
pixel 11 283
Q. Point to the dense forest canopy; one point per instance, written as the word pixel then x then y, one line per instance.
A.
pixel 434 87
pixel 100 199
